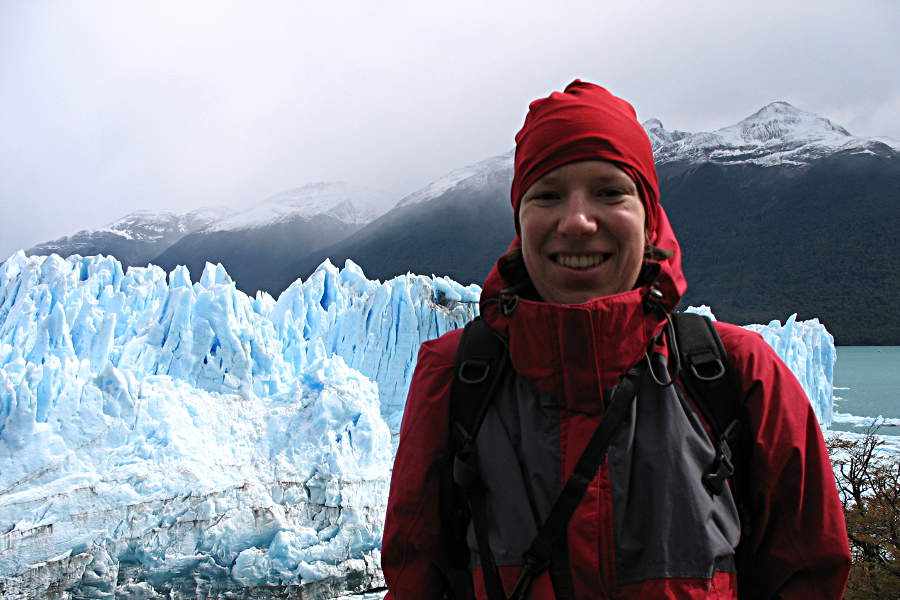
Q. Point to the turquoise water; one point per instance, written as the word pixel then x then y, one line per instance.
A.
pixel 867 384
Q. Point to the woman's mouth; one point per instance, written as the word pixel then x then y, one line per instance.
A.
pixel 580 261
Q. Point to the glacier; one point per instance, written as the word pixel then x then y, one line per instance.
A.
pixel 167 438
pixel 807 349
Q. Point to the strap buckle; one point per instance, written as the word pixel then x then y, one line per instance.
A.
pixel 474 371
pixel 706 366
pixel 723 466
pixel 509 300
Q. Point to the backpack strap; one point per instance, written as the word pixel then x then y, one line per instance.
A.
pixel 481 361
pixel 704 372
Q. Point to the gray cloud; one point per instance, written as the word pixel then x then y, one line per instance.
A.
pixel 109 107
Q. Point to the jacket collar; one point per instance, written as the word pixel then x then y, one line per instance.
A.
pixel 579 350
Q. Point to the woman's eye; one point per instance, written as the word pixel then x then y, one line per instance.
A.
pixel 612 195
pixel 544 197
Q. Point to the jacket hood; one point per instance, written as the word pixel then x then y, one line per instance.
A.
pixel 579 350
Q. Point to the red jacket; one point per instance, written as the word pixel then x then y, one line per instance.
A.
pixel 646 528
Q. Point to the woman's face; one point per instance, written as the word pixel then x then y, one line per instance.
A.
pixel 582 229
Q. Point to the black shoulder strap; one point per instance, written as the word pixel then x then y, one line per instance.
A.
pixel 481 360
pixel 704 372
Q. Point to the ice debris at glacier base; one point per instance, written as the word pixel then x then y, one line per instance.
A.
pixel 163 437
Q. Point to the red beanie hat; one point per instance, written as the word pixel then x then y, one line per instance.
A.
pixel 584 122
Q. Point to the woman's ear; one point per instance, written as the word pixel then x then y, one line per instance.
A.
pixel 653 253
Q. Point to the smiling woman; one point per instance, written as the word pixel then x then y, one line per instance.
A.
pixel 583 232
pixel 590 468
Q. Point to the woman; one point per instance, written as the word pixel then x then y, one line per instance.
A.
pixel 581 298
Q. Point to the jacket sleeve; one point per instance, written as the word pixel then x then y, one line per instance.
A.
pixel 412 531
pixel 798 545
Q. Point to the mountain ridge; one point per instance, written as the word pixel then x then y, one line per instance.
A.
pixel 337 199
pixel 834 195
pixel 776 134
pixel 137 238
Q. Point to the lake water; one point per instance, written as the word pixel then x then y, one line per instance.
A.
pixel 867 384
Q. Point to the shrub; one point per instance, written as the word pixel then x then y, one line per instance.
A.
pixel 868 481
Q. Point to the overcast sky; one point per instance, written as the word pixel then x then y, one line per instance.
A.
pixel 110 107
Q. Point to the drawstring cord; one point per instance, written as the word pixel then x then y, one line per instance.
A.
pixel 673 351
pixel 653 303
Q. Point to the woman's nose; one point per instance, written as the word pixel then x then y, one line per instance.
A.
pixel 576 219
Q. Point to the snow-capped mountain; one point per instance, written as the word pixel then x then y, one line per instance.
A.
pixel 151 226
pixel 777 179
pixel 347 203
pixel 291 223
pixel 136 238
pixel 777 134
pixel 143 226
pixel 450 227
pixel 737 197
pixel 256 243
pixel 741 198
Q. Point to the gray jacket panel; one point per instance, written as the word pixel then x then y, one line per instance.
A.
pixel 518 456
pixel 667 524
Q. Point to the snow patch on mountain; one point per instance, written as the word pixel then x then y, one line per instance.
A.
pixel 777 134
pixel 148 226
pixel 475 177
pixel 659 135
pixel 142 226
pixel 781 120
pixel 348 203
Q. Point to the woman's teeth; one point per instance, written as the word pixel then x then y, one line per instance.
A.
pixel 580 262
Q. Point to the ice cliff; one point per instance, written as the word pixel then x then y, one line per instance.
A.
pixel 163 438
pixel 807 349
